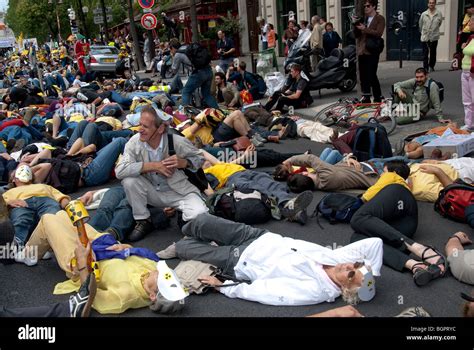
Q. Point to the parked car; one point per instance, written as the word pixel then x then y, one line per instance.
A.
pixel 103 59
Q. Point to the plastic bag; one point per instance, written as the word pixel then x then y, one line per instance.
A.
pixel 265 62
pixel 275 82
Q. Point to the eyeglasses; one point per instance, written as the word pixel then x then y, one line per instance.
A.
pixel 357 265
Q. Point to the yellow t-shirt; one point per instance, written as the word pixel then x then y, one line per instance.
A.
pixel 34 190
pixel 388 178
pixel 113 122
pixel 119 287
pixel 223 171
pixel 426 187
pixel 204 133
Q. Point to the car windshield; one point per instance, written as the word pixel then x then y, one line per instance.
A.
pixel 104 51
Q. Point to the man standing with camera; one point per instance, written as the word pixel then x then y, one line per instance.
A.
pixel 368 32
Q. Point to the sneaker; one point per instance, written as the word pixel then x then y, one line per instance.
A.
pixel 416 311
pixel 294 206
pixel 255 142
pixel 168 253
pixel 259 138
pixel 48 255
pixel 80 304
pixel 23 258
pixel 82 97
pixel 301 217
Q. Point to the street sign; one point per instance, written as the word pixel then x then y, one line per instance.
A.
pixel 149 21
pixel 146 4
pixel 98 19
pixel 98 10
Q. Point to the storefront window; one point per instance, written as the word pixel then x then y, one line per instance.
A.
pixel 318 7
pixel 347 10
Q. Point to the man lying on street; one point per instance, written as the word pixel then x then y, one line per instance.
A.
pixel 277 270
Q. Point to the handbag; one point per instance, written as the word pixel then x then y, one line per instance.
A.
pixel 190 271
pixel 374 45
pixel 241 143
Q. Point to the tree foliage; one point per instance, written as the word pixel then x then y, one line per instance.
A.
pixel 37 18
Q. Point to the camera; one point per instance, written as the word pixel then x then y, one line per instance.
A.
pixel 356 20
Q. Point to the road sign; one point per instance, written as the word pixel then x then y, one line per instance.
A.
pixel 149 21
pixel 146 4
pixel 98 10
pixel 98 19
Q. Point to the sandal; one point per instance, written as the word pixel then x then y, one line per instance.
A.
pixel 421 276
pixel 441 261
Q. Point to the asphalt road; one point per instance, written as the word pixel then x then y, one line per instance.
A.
pixel 23 286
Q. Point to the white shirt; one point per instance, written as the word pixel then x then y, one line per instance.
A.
pixel 285 271
pixel 369 20
pixel 156 155
pixel 464 166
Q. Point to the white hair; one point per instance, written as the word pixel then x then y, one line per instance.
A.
pixel 351 296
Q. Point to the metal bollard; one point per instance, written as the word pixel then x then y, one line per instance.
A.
pixel 254 62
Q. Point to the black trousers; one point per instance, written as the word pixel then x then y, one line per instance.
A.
pixel 369 82
pixel 391 215
pixel 55 310
pixel 281 101
pixel 429 54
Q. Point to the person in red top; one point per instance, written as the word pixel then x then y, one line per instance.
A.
pixel 81 49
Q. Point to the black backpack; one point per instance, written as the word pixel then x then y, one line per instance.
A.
pixel 228 203
pixel 199 56
pixel 64 175
pixel 337 207
pixel 428 89
pixel 197 178
pixel 371 141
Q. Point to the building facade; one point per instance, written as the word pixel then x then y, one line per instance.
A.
pixel 398 14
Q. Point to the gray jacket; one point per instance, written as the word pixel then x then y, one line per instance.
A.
pixel 135 155
pixel 429 26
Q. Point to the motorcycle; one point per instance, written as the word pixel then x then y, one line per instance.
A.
pixel 338 71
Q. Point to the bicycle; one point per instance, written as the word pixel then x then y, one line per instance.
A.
pixel 348 111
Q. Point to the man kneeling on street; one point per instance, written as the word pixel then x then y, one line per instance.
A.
pixel 151 177
pixel 421 91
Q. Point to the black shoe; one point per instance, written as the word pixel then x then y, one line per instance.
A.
pixel 81 303
pixel 142 228
pixel 59 142
pixel 365 99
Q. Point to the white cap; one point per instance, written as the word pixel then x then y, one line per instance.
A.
pixel 168 283
pixel 163 115
pixel 367 291
pixel 24 174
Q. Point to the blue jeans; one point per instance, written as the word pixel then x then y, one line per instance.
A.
pixel 98 171
pixel 2 148
pixel 124 101
pixel 114 212
pixel 200 79
pixel 55 79
pixel 16 133
pixel 25 219
pixel 331 156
